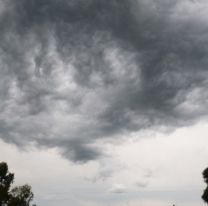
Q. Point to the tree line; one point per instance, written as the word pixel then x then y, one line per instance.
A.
pixel 23 195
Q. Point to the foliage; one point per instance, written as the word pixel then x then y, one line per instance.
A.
pixel 6 179
pixel 17 196
pixel 205 194
pixel 21 196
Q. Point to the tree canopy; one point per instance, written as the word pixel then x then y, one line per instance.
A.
pixel 17 196
pixel 205 194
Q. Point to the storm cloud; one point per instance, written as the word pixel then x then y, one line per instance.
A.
pixel 74 72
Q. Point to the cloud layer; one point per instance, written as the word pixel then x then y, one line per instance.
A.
pixel 74 72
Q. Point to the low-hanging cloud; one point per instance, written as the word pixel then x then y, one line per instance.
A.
pixel 73 72
pixel 118 188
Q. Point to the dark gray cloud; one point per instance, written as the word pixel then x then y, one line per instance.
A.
pixel 73 72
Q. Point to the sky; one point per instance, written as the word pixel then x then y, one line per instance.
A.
pixel 105 102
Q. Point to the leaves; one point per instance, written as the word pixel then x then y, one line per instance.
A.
pixel 17 196
pixel 205 194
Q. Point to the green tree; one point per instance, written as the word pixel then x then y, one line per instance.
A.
pixel 17 196
pixel 205 193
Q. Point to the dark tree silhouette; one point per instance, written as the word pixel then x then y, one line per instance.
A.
pixel 205 194
pixel 6 179
pixel 18 196
pixel 21 196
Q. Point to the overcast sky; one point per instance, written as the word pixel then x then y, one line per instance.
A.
pixel 104 102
